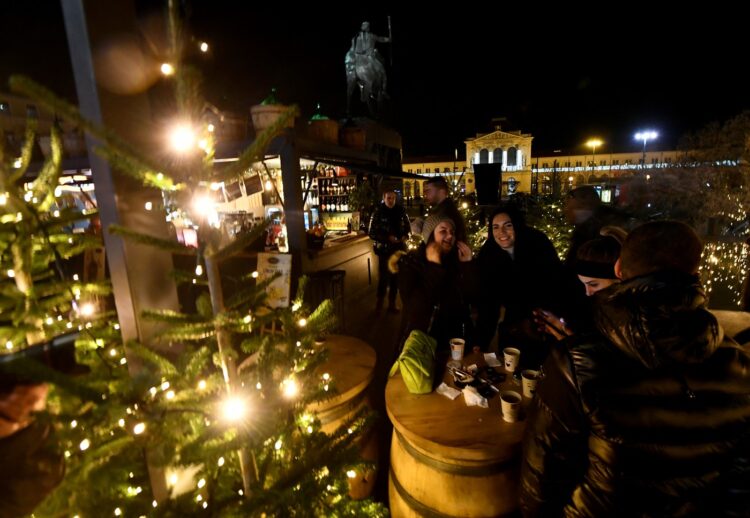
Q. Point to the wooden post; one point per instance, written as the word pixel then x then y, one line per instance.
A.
pixel 139 273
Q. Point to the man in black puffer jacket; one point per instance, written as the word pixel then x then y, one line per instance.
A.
pixel 652 417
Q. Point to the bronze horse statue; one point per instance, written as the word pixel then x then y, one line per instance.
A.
pixel 365 70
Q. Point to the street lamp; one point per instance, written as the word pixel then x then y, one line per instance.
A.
pixel 645 136
pixel 593 144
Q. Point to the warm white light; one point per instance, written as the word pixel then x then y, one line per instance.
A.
pixel 351 473
pixel 309 429
pixel 87 310
pixel 254 275
pixel 258 385
pixel 278 444
pixel 56 213
pixel 11 273
pixel 296 306
pixel 464 205
pixel 170 394
pixel 205 505
pixel 139 428
pixel 165 385
pixel 199 270
pixel 269 185
pixel 113 352
pixel 3 198
pixel 173 479
pixel 645 136
pixel 123 361
pixel 211 128
pixel 17 163
pixel 203 144
pixel 167 69
pixel 290 388
pixel 203 205
pixel 149 205
pixel 73 423
pixel 118 512
pixel 202 385
pixel 221 461
pixel 9 345
pixel 121 422
pixel 302 322
pixel 326 376
pixel 49 321
pixel 154 504
pixel 182 137
pixel 84 445
pixel 234 409
pixel 201 483
pixel 58 192
pixel 204 46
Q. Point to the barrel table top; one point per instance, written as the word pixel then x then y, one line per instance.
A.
pixel 448 428
pixel 351 364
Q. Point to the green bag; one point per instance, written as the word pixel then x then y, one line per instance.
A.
pixel 417 362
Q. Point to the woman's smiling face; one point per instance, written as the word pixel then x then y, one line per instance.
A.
pixel 503 231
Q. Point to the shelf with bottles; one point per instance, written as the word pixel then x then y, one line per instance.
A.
pixel 331 193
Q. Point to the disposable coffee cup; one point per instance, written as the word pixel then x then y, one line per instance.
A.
pixel 457 348
pixel 510 404
pixel 511 357
pixel 529 379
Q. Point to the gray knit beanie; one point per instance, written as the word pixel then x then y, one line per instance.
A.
pixel 433 221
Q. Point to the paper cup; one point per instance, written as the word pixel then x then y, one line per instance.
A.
pixel 529 379
pixel 457 348
pixel 510 404
pixel 511 357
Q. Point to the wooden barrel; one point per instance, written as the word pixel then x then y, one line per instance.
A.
pixel 351 365
pixel 450 460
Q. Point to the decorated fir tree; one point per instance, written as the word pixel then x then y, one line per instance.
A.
pixel 222 417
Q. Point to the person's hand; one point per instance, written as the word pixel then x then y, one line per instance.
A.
pixel 433 253
pixel 17 406
pixel 464 252
pixel 551 324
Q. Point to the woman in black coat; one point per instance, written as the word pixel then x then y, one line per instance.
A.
pixel 433 281
pixel 519 271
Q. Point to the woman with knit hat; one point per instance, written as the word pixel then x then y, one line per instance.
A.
pixel 595 268
pixel 433 280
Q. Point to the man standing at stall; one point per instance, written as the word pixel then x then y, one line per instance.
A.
pixel 389 228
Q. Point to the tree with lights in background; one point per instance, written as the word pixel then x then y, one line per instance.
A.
pixel 219 409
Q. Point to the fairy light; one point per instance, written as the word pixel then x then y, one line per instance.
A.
pixel 290 388
pixel 148 205
pixel 152 391
pixel 165 385
pixel 121 422
pixel 326 376
pixel 173 479
pixel 118 511
pixel 254 275
pixel 112 352
pixel 9 345
pixel 201 483
pixel 202 385
pixel 220 461
pixel 139 428
pixel 198 270
pixel 84 445
pixel 205 505
pixel 167 69
pixel 296 306
pixel 87 310
pixel 211 128
pixel 234 408
pixel 258 385
pixel 247 319
pixel 73 423
pixel 56 213
pixel 278 445
pixel 3 198
pixel 11 273
pixel 154 504
pixel 302 322
pixel 170 394
pixel 240 492
pixel 351 473
pixel 204 46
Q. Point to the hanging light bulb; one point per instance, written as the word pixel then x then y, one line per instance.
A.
pixel 234 408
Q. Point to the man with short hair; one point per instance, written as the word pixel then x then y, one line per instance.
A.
pixel 389 228
pixel 649 416
pixel 436 194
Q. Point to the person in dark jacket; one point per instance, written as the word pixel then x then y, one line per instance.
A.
pixel 433 280
pixel 519 271
pixel 651 415
pixel 436 194
pixel 389 228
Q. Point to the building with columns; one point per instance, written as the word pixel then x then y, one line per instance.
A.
pixel 523 172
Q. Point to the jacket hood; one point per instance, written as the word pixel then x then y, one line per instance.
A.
pixel 659 319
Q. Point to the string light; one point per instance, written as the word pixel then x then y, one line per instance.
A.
pixel 221 461
pixel 11 273
pixel 170 394
pixel 73 423
pixel 87 310
pixel 149 205
pixel 351 473
pixel 139 428
pixel 3 198
pixel 289 388
pixel 167 69
pixel 202 385
pixel 254 275
pixel 84 445
pixel 201 483
pixel 234 409
pixel 278 445
pixel 302 322
pixel 9 345
pixel 204 46
pixel 198 270
pixel 165 385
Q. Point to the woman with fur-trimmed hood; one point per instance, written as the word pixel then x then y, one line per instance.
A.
pixel 433 280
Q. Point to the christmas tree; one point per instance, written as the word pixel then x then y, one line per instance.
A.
pixel 223 416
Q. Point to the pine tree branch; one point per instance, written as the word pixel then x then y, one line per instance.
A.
pixel 144 239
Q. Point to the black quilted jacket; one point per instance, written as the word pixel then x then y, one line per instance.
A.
pixel 650 419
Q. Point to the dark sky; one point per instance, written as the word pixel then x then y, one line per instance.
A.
pixel 561 76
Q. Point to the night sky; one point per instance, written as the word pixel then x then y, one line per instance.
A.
pixel 563 80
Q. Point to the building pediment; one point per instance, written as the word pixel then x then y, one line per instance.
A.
pixel 500 135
